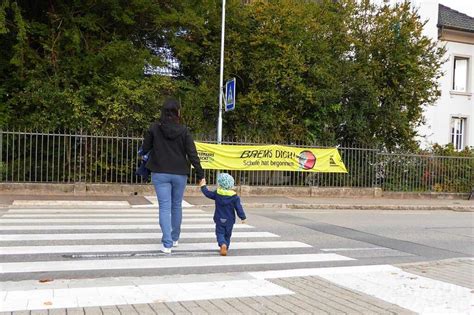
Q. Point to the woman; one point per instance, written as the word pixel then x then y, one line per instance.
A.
pixel 171 148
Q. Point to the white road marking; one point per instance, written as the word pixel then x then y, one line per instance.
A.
pixel 306 272
pixel 111 227
pixel 154 202
pixel 351 249
pixel 24 250
pixel 418 294
pixel 155 206
pixel 208 218
pixel 145 206
pixel 117 236
pixel 85 211
pixel 166 262
pixel 78 203
pixel 315 211
pixel 186 204
pixel 152 199
pixel 41 299
pixel 95 215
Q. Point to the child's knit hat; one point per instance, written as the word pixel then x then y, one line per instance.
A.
pixel 225 181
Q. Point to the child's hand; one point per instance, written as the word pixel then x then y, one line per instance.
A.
pixel 244 221
pixel 202 182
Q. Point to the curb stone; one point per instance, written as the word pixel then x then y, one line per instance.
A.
pixel 351 207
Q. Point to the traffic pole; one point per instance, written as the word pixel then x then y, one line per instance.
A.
pixel 221 84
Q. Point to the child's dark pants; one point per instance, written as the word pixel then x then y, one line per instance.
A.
pixel 223 233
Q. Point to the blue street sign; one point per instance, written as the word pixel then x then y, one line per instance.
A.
pixel 230 95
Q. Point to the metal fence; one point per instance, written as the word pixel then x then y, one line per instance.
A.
pixel 50 157
pixel 412 172
pixel 68 158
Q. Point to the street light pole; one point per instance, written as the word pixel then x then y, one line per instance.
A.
pixel 221 84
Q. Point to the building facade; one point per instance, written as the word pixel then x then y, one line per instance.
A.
pixel 451 118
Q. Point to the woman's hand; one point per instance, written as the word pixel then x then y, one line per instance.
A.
pixel 202 182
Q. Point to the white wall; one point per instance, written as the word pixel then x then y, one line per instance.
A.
pixel 438 117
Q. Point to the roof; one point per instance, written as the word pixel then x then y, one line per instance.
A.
pixel 452 19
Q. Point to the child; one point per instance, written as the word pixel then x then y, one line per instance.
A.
pixel 227 203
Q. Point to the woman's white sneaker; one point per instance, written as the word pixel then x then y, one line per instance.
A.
pixel 166 250
pixel 175 244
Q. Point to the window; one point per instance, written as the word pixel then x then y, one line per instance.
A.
pixel 458 127
pixel 461 74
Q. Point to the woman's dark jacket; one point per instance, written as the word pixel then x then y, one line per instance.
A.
pixel 171 147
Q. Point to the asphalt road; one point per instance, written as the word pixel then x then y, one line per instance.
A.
pixel 421 235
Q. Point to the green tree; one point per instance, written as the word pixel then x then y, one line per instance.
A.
pixel 80 64
pixel 284 55
pixel 392 73
pixel 323 71
pixel 290 68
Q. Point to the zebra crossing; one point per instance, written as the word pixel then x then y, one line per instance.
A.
pixel 23 229
pixel 83 243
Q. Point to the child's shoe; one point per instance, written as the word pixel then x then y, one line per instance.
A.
pixel 175 244
pixel 223 250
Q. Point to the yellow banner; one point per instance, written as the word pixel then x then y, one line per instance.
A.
pixel 269 158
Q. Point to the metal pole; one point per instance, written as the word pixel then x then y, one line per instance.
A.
pixel 221 84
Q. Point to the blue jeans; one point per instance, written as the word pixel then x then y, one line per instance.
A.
pixel 169 191
pixel 224 233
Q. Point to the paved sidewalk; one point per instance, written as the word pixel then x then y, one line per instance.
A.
pixel 278 202
pixel 313 295
pixel 7 199
pixel 459 272
pixel 345 203
pixel 317 295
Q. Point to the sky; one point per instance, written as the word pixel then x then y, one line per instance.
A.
pixel 463 6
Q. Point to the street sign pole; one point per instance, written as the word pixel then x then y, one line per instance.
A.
pixel 221 84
